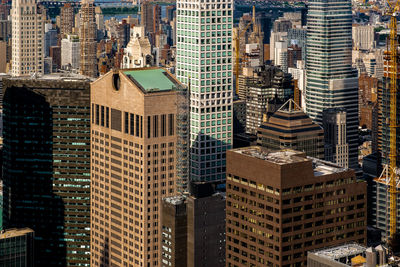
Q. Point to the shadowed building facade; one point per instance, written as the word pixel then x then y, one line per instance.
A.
pixel 46 165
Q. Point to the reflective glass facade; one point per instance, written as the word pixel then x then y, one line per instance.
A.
pixel 46 166
pixel 204 60
pixel 331 81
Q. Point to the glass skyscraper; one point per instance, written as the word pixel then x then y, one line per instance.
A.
pixel 46 165
pixel 204 61
pixel 331 81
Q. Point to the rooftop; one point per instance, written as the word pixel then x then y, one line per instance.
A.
pixel 63 76
pixel 339 252
pixel 175 200
pixel 13 232
pixel 288 156
pixel 280 157
pixel 152 79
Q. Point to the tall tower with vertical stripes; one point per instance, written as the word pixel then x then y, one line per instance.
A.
pixel 331 81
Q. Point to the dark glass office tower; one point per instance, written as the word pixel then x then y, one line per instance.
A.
pixel 46 166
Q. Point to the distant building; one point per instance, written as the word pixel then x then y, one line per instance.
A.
pixel 50 38
pixel 17 247
pixel 298 36
pixel 3 56
pixel 137 54
pixel 290 127
pixel 46 164
pixel 262 98
pixel 5 29
pixel 281 204
pixel 71 51
pixel 88 39
pixel 67 19
pixel 335 135
pixel 363 37
pixel 55 54
pixel 281 55
pixel 282 25
pixel 27 33
pixel 294 54
pixel 239 116
pixel 275 37
pixel 298 74
pixel 150 19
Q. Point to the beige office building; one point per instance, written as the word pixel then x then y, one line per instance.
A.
pixel 27 37
pixel 134 139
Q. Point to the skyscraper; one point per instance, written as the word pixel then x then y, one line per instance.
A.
pixel 331 81
pixel 150 19
pixel 204 60
pixel 67 18
pixel 281 204
pixel 27 37
pixel 134 158
pixel 88 37
pixel 46 165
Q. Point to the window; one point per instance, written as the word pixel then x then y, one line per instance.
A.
pixel 137 125
pixel 163 125
pixel 155 126
pixel 116 119
pixel 126 126
pixel 97 114
pixel 148 126
pixel 107 117
pixel 102 116
pixel 132 128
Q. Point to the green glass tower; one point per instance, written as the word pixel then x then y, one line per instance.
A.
pixel 204 61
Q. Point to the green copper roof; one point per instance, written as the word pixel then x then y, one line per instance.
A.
pixel 152 79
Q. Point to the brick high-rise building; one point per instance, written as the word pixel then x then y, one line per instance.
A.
pixel 135 128
pixel 151 19
pixel 46 165
pixel 281 204
pixel 67 18
pixel 174 232
pixel 27 38
pixel 88 39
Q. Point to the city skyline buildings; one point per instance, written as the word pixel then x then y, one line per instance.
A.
pixel 204 62
pixel 331 80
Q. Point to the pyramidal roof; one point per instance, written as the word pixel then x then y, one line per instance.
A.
pixel 290 107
